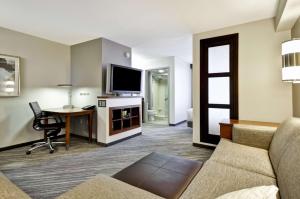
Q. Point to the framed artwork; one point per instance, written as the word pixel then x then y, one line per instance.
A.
pixel 9 76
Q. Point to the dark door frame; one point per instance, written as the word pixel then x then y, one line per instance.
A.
pixel 205 44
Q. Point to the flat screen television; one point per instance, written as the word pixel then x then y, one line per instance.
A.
pixel 125 79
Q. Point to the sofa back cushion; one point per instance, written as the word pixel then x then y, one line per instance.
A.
pixel 282 138
pixel 288 174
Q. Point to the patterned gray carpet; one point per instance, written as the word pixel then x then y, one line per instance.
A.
pixel 44 175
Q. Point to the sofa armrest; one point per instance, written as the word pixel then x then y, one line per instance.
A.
pixel 253 135
pixel 9 190
pixel 107 187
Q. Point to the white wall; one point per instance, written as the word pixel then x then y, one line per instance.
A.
pixel 147 64
pixel 182 90
pixel 179 84
pixel 44 64
pixel 262 94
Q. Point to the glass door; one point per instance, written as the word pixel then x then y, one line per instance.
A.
pixel 218 85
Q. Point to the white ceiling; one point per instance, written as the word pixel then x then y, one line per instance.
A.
pixel 153 27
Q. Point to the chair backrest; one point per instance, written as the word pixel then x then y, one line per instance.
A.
pixel 36 109
pixel 284 153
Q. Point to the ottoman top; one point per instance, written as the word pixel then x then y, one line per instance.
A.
pixel 164 175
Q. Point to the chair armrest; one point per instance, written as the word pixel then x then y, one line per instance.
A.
pixel 253 135
pixel 47 118
pixel 107 187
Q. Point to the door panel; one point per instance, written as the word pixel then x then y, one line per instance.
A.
pixel 218 59
pixel 215 116
pixel 218 84
pixel 218 90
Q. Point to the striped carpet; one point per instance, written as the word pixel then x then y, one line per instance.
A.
pixel 43 175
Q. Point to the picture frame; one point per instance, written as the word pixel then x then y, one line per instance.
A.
pixel 9 76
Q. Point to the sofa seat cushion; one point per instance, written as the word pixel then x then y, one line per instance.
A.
pixel 216 179
pixel 244 157
pixel 8 190
pixel 106 187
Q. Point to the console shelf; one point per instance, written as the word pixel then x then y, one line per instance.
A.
pixel 123 118
pixel 118 119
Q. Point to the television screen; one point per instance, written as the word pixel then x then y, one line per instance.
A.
pixel 125 79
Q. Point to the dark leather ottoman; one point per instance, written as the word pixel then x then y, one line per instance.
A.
pixel 164 175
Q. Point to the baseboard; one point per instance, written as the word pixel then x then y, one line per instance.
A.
pixel 24 144
pixel 203 146
pixel 117 141
pixel 177 123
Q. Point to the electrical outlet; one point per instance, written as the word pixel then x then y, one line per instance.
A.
pixel 84 94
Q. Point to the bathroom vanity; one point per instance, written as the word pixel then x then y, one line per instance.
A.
pixel 119 118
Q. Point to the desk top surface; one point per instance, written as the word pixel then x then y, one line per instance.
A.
pixel 66 111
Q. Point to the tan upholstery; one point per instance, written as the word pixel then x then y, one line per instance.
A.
pixel 253 135
pixel 106 187
pixel 284 135
pixel 288 173
pixel 244 157
pixel 8 190
pixel 215 179
pixel 232 167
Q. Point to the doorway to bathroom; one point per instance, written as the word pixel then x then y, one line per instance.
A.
pixel 157 96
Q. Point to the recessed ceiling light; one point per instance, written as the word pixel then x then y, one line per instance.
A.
pixel 161 71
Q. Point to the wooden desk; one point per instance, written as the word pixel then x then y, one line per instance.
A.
pixel 68 113
pixel 226 126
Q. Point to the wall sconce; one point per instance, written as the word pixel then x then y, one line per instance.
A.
pixel 291 61
pixel 127 55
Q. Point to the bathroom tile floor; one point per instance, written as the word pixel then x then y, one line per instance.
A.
pixel 161 122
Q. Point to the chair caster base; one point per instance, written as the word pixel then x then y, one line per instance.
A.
pixel 51 151
pixel 28 152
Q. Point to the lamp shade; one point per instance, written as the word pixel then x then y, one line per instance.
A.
pixel 291 61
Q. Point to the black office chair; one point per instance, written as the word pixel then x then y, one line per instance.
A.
pixel 50 130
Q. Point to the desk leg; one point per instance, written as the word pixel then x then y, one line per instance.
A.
pixel 45 131
pixel 68 128
pixel 90 120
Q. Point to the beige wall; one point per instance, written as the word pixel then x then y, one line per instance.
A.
pixel 44 64
pixel 296 87
pixel 89 61
pixel 86 64
pixel 262 94
pixel 296 30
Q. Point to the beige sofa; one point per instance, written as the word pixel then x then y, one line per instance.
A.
pixel 256 156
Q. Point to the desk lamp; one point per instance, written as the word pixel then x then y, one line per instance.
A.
pixel 69 86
